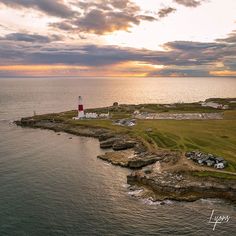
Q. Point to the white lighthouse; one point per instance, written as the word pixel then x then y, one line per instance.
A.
pixel 82 114
pixel 80 108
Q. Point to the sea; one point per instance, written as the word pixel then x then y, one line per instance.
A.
pixel 54 185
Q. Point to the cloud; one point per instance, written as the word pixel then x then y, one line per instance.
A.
pixel 86 55
pixel 179 58
pixel 192 46
pixel 32 38
pixel 50 7
pixel 92 55
pixel 189 3
pixel 104 17
pixel 63 25
pixel 179 72
pixel 96 17
pixel 165 11
pixel 121 4
pixel 230 39
pixel 99 22
pixel 107 5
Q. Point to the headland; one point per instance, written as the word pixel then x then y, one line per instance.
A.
pixel 154 140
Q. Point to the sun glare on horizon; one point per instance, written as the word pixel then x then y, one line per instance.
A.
pixel 115 38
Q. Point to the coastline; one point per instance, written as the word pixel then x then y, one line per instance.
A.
pixel 167 174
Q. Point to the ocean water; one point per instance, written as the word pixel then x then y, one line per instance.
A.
pixel 53 185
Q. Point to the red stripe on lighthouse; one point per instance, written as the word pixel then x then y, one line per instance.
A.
pixel 81 108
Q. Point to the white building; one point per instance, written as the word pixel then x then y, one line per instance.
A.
pixel 104 115
pixel 219 165
pixel 91 115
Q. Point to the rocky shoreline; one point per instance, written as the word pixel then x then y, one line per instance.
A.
pixel 163 172
pixel 182 186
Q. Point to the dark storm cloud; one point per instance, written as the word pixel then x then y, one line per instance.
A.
pixel 50 7
pixel 189 3
pixel 165 11
pixel 30 38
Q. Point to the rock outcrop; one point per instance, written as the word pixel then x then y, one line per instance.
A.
pixel 123 144
pixel 182 186
pixel 105 136
pixel 116 142
pixel 108 143
pixel 129 158
pixel 163 171
pixel 61 127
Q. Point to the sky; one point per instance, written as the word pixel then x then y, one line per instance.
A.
pixel 117 38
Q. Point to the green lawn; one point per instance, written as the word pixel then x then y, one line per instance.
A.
pixel 211 136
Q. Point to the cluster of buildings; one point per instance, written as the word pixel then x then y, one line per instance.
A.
pixel 94 115
pixel 88 115
pixel 214 105
pixel 125 122
pixel 207 159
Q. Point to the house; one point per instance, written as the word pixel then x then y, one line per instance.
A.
pixel 91 115
pixel 136 112
pixel 104 115
pixel 210 163
pixel 219 165
pixel 200 161
pixel 219 160
pixel 207 159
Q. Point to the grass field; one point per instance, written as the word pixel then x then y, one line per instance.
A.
pixel 211 136
pixel 213 174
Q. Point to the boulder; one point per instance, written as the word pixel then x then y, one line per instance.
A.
pixel 122 145
pixel 147 170
pixel 144 161
pixel 105 136
pixel 109 142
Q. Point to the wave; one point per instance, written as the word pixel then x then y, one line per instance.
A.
pixel 151 202
pixel 135 192
pixel 211 200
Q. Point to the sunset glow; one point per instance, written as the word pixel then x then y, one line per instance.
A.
pixel 118 38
